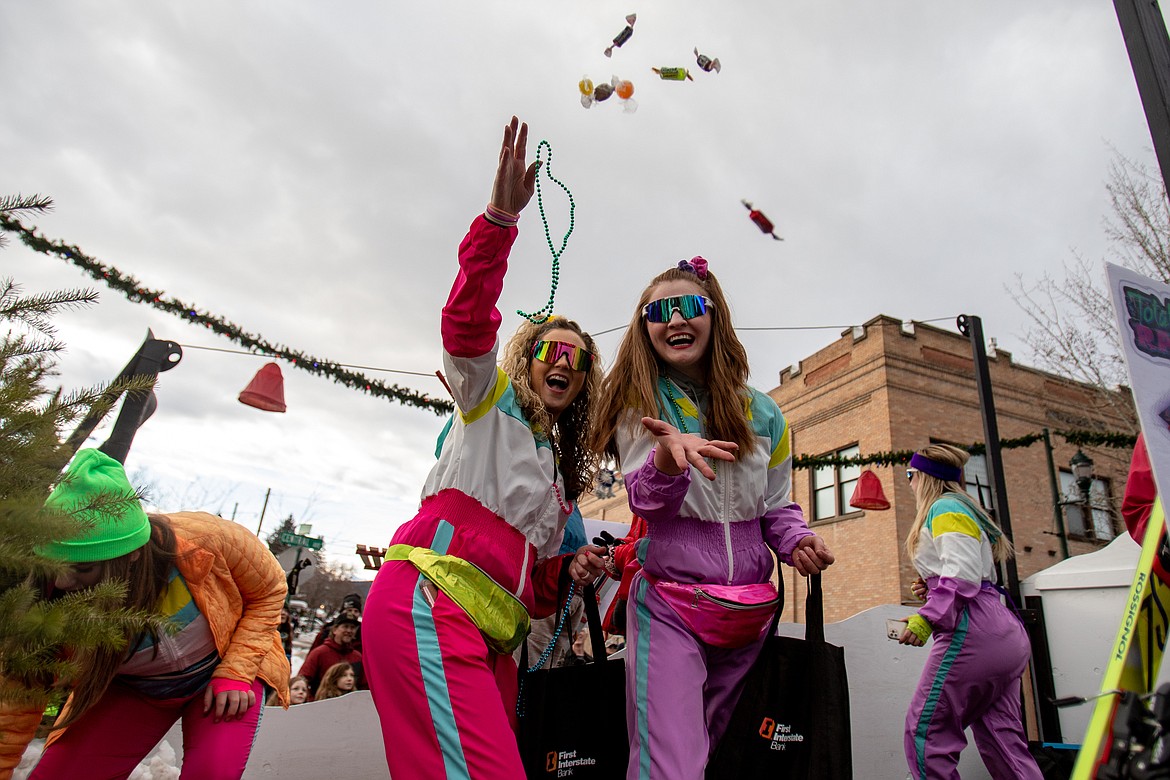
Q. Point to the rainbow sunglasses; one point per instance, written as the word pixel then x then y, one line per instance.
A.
pixel 689 306
pixel 580 359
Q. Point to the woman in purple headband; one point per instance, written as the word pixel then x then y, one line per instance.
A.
pixel 972 677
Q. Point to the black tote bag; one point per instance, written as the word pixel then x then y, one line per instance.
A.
pixel 792 720
pixel 573 718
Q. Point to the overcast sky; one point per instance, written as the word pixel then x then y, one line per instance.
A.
pixel 307 170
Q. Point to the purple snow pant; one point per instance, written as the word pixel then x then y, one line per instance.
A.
pixel 972 679
pixel 680 692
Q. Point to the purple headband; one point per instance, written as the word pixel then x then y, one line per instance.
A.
pixel 697 265
pixel 935 469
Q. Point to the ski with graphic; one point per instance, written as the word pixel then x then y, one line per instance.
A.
pixel 1133 663
pixel 1142 306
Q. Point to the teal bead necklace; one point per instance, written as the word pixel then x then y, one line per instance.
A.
pixel 682 421
pixel 543 314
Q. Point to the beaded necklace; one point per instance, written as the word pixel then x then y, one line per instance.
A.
pixel 547 651
pixel 543 314
pixel 682 420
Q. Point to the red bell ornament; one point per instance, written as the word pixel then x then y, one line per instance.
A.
pixel 266 390
pixel 868 494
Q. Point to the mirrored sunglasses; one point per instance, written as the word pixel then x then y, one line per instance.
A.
pixel 689 306
pixel 580 359
pixel 910 474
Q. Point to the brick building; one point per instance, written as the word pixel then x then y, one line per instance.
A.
pixel 888 386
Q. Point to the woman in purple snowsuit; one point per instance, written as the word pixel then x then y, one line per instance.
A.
pixel 972 678
pixel 676 397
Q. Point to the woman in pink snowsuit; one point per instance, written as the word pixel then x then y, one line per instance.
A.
pixel 453 598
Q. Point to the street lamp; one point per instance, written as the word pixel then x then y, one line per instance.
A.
pixel 1082 470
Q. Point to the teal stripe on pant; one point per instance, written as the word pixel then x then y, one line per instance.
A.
pixel 430 660
pixel 940 678
pixel 642 658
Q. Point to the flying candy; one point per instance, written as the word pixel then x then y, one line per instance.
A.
pixel 591 94
pixel 706 64
pixel 624 35
pixel 762 222
pixel 673 74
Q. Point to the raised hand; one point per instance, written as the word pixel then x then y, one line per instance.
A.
pixel 514 182
pixel 679 451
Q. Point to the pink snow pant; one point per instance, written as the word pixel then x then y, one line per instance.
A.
pixel 972 679
pixel 446 703
pixel 110 740
pixel 680 692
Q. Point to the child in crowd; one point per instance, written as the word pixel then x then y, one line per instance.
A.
pixel 339 680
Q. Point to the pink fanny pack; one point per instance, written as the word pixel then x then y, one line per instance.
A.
pixel 727 616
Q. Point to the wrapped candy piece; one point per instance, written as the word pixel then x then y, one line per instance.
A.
pixel 763 223
pixel 673 74
pixel 624 35
pixel 625 93
pixel 706 64
pixel 591 93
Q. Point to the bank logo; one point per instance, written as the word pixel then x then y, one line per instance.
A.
pixel 564 763
pixel 779 735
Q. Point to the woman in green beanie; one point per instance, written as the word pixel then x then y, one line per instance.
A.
pixel 222 591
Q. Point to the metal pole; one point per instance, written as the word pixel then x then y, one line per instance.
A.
pixel 972 327
pixel 1144 32
pixel 263 509
pixel 1056 502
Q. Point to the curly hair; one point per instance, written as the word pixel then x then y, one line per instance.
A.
pixel 570 435
pixel 632 383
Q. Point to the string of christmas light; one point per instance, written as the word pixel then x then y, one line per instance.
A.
pixel 130 287
pixel 901 457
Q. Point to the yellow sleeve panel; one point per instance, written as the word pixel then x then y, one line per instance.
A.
pixel 955 523
pixel 783 448
pixel 484 406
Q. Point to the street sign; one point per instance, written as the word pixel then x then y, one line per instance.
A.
pixel 311 542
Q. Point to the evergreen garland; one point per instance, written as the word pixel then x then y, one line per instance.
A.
pixel 900 457
pixel 129 286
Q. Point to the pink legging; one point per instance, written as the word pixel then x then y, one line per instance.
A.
pixel 119 731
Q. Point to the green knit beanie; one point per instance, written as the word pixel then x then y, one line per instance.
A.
pixel 116 530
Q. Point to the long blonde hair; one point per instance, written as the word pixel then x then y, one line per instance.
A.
pixel 632 383
pixel 931 489
pixel 571 433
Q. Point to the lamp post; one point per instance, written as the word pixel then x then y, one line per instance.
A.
pixel 1082 469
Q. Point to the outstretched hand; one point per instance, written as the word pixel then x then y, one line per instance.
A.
pixel 679 451
pixel 514 182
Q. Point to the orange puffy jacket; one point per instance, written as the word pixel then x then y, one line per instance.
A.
pixel 238 586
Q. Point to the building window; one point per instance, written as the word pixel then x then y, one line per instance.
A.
pixel 1101 525
pixel 977 482
pixel 832 486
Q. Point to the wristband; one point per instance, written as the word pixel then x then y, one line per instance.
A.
pixel 500 217
pixel 920 626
